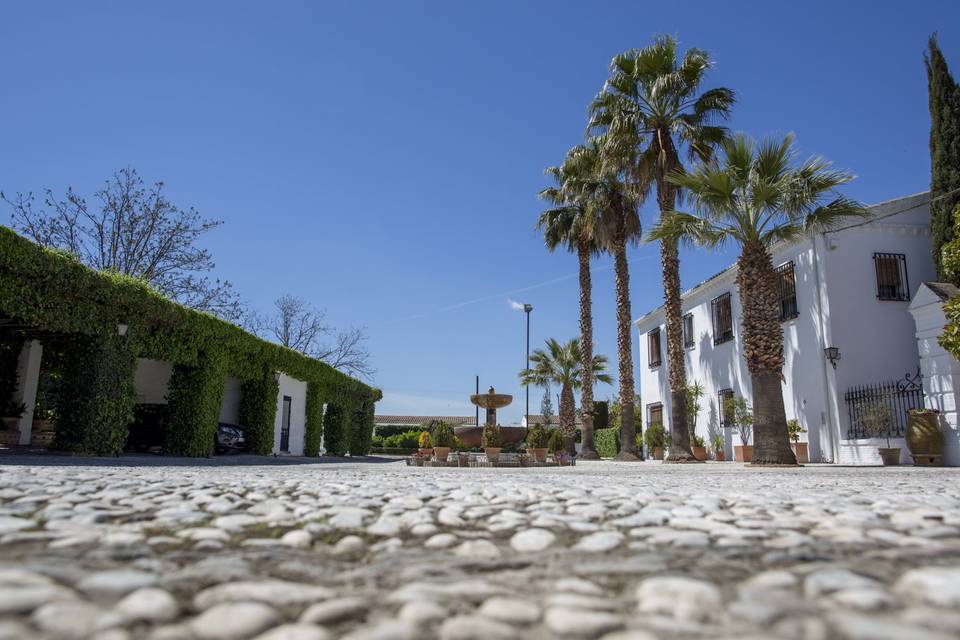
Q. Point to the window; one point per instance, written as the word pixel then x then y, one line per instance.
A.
pixel 688 330
pixel 654 414
pixel 892 283
pixel 722 319
pixel 788 291
pixel 725 396
pixel 653 348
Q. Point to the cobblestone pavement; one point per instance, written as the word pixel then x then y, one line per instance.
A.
pixel 604 550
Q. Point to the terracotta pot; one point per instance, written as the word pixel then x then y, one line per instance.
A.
pixel 539 454
pixel 441 453
pixel 700 453
pixel 801 450
pixel 658 453
pixel 492 453
pixel 743 453
pixel 719 456
pixel 890 457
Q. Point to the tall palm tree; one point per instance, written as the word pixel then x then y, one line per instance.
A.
pixel 562 364
pixel 754 196
pixel 614 202
pixel 569 223
pixel 652 99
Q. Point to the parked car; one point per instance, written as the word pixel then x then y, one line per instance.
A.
pixel 229 437
pixel 146 430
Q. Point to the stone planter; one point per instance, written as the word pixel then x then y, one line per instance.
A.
pixel 801 451
pixel 924 438
pixel 890 457
pixel 700 453
pixel 743 453
pixel 441 453
pixel 10 436
pixel 719 456
pixel 42 425
pixel 539 454
pixel 463 459
pixel 658 453
pixel 492 453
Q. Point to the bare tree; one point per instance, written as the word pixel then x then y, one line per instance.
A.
pixel 131 229
pixel 298 325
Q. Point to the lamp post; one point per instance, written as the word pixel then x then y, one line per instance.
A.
pixel 527 308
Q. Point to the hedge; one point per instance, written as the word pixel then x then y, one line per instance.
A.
pixel 195 396
pixel 314 426
pixel 52 291
pixel 258 411
pixel 601 414
pixel 334 431
pixel 10 348
pixel 607 442
pixel 387 430
pixel 361 432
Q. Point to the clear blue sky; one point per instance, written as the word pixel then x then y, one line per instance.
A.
pixel 383 159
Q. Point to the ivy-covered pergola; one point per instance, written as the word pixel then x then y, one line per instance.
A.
pixel 103 322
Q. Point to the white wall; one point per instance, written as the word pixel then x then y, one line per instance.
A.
pixel 151 381
pixel 230 408
pixel 297 390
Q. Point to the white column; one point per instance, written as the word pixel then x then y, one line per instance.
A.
pixel 28 374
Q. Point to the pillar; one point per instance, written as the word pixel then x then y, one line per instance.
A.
pixel 28 374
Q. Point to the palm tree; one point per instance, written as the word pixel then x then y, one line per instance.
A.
pixel 562 364
pixel 652 99
pixel 755 197
pixel 569 223
pixel 614 202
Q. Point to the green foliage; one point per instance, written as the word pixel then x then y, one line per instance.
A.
pixel 944 102
pixel 694 393
pixel 601 414
pixel 492 436
pixel 10 348
pixel 258 412
pixel 717 443
pixel 537 437
pixel 96 396
pixel 52 291
pixel 739 415
pixel 361 433
pixel 443 435
pixel 607 442
pixel 425 441
pixel 334 430
pixel 314 420
pixel 406 440
pixel 950 254
pixel 656 437
pixel 555 443
pixel 195 397
pixel 458 444
pixel 387 430
pixel 698 441
pixel 794 429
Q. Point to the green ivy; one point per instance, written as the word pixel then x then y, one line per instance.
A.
pixel 607 442
pixel 335 430
pixel 96 396
pixel 361 434
pixel 195 395
pixel 314 418
pixel 258 411
pixel 10 349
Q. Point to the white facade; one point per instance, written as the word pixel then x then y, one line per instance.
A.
pixel 294 392
pixel 838 306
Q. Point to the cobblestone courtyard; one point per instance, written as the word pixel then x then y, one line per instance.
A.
pixel 618 551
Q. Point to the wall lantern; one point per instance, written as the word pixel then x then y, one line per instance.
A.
pixel 121 329
pixel 833 354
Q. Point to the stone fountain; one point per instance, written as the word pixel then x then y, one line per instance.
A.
pixel 490 401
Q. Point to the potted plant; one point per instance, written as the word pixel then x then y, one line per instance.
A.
pixel 877 420
pixel 699 447
pixel 924 437
pixel 425 442
pixel 656 439
pixel 718 453
pixel 740 416
pixel 443 441
pixel 555 443
pixel 538 440
pixel 800 449
pixel 420 457
pixel 491 439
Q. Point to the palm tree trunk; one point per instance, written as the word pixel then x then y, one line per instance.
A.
pixel 628 430
pixel 587 450
pixel 763 351
pixel 568 418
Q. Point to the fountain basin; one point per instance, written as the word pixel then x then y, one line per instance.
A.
pixel 471 436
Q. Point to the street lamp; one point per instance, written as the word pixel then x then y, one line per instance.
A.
pixel 527 308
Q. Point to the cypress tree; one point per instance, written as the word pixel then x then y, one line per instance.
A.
pixel 944 97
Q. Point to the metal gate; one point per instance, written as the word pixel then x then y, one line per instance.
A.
pixel 898 395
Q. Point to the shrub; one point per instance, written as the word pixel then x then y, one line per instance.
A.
pixel 556 441
pixel 195 395
pixel 407 440
pixel 458 444
pixel 601 414
pixel 314 421
pixel 425 441
pixel 387 430
pixel 361 429
pixel 656 437
pixel 492 437
pixel 607 442
pixel 537 437
pixel 334 436
pixel 258 411
pixel 443 435
pixel 717 443
pixel 794 429
pixel 698 441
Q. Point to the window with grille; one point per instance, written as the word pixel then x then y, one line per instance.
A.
pixel 722 319
pixel 788 291
pixel 892 283
pixel 653 347
pixel 724 397
pixel 688 330
pixel 654 414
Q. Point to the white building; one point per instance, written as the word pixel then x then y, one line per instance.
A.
pixel 850 289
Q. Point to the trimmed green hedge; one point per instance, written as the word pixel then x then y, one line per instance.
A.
pixel 258 412
pixel 361 432
pixel 194 396
pixel 334 431
pixel 314 426
pixel 607 442
pixel 601 414
pixel 52 291
pixel 388 430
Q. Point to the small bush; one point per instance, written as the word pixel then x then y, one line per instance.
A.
pixel 698 441
pixel 601 414
pixel 537 437
pixel 556 441
pixel 334 430
pixel 443 435
pixel 492 437
pixel 607 442
pixel 656 437
pixel 794 429
pixel 406 440
pixel 425 441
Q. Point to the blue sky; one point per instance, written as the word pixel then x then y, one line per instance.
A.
pixel 382 159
